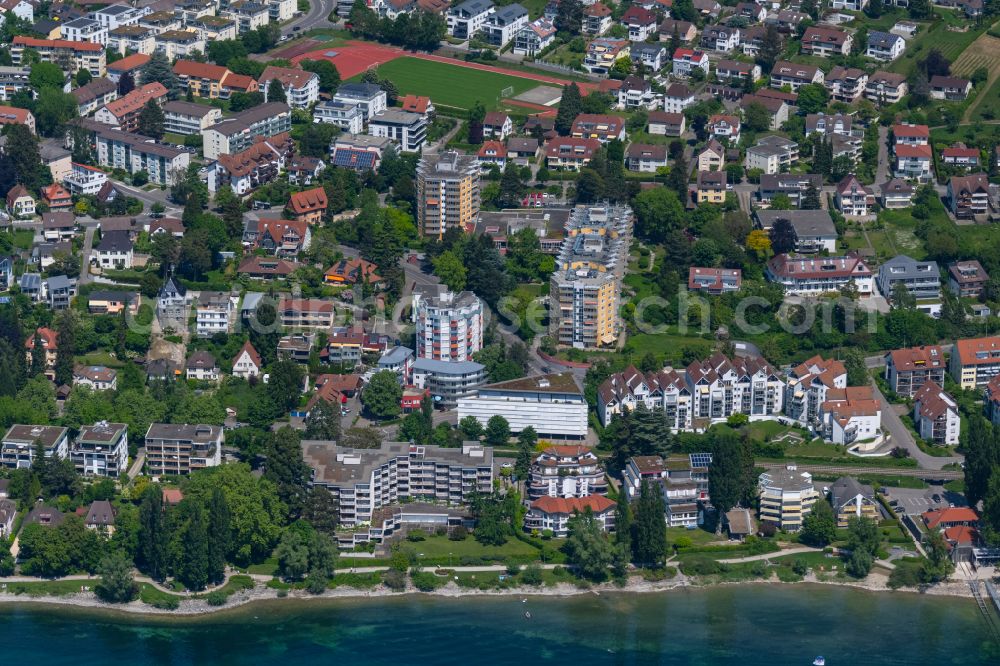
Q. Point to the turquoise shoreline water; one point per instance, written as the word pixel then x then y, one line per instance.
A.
pixel 746 625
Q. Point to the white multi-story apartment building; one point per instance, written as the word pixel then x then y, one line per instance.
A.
pixel 101 450
pixel 502 25
pixel 115 16
pixel 552 514
pixel 173 448
pixel 814 276
pixel 363 481
pixel 449 326
pixel 705 392
pixel 907 370
pixel 467 19
pixel 808 385
pixel 852 417
pixel 84 30
pixel 132 153
pixel 232 135
pixel 69 55
pixel 886 88
pixel 368 96
pixel 534 37
pixel 553 405
pixel 213 313
pixel 345 115
pixel 301 87
pixel 566 471
pixel 407 130
pixel 884 46
pixel 935 415
pixel 17 449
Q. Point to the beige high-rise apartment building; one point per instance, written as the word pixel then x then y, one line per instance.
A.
pixel 585 288
pixel 447 192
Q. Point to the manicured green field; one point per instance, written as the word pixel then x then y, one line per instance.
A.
pixel 451 85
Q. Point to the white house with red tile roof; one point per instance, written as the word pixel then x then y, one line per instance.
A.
pixel 490 153
pixel 686 60
pixel 813 276
pixel 852 415
pixel 935 415
pixel 247 363
pixel 553 513
pixel 907 134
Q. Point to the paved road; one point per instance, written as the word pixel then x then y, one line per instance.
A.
pixel 901 435
pixel 140 460
pixel 767 556
pixel 882 170
pixel 872 362
pixel 855 470
pixel 88 244
pixel 316 17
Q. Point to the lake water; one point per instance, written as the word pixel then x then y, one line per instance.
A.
pixel 746 625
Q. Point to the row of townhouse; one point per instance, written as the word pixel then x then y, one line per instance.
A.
pixel 705 392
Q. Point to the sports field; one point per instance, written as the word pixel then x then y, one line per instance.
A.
pixel 451 85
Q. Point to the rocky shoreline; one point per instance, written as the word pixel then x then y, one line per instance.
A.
pixel 636 585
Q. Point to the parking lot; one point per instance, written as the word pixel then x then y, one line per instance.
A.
pixel 916 501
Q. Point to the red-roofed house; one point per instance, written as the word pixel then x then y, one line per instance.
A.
pixel 352 271
pixel 247 363
pixel 417 104
pixel 953 516
pixel 127 65
pixel 935 415
pixel 124 111
pixel 960 155
pixel 553 513
pixel 641 23
pixel 283 237
pixel 71 56
pixel 20 203
pixel 714 280
pixel 48 339
pixel 725 127
pixel 910 135
pixel 57 197
pixel 852 415
pixel 308 206
pixel 596 19
pixel 685 60
pixel 913 161
pixel 565 152
pixel 301 87
pixel 212 81
pixel 492 152
pixel 11 115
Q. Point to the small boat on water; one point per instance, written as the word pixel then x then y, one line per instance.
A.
pixel 819 661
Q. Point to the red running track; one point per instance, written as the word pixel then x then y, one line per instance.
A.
pixel 355 57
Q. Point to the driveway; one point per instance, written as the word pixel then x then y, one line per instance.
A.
pixel 882 170
pixel 902 437
pixel 88 245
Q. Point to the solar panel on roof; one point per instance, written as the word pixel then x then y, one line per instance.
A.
pixel 354 159
pixel 700 459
